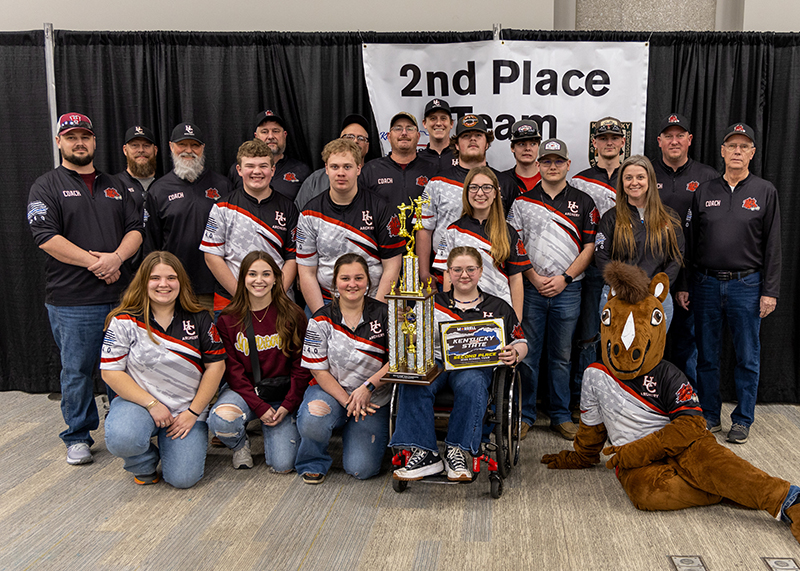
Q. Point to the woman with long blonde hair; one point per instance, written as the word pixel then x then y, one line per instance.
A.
pixel 163 357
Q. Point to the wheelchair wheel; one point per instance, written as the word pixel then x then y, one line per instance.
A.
pixel 399 486
pixel 496 483
pixel 506 432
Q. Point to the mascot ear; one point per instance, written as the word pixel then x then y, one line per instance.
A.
pixel 612 293
pixel 659 286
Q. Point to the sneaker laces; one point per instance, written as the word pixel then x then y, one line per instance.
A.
pixel 418 455
pixel 455 457
pixel 739 427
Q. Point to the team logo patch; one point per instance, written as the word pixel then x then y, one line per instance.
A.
pixel 524 129
pixel 436 102
pixel 488 314
pixel 750 204
pixel 375 327
pixel 394 226
pixel 189 130
pixel 280 218
pixel 552 146
pixel 673 119
pixel 595 216
pixel 649 383
pixel 366 217
pixel 517 332
pixel 138 130
pixel 521 248
pixel 37 211
pixel 213 334
pixel 692 186
pixel 212 193
pixel 469 120
pixel 112 193
pixel 739 128
pixel 600 241
pixel 422 180
pixel 290 177
pixel 268 113
pixel 685 393
pixel 188 327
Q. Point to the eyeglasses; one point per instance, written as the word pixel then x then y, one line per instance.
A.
pixel 471 270
pixel 485 188
pixel 408 129
pixel 547 163
pixel 359 138
pixel 740 146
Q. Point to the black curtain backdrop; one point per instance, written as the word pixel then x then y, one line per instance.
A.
pixel 220 81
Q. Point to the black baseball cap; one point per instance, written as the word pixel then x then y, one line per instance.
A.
pixel 356 118
pixel 524 130
pixel 183 131
pixel 674 120
pixel 269 116
pixel 139 132
pixel 437 105
pixel 740 129
pixel 469 123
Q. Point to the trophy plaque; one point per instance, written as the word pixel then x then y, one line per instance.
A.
pixel 411 325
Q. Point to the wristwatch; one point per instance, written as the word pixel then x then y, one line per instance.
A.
pixel 370 386
pixel 567 278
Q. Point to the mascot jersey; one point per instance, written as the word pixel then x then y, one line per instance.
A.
pixel 637 407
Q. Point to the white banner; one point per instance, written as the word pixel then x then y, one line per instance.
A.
pixel 563 86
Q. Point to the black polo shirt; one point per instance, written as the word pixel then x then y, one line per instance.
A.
pixel 442 160
pixel 677 187
pixel 396 183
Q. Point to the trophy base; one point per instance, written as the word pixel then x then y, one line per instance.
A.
pixel 412 378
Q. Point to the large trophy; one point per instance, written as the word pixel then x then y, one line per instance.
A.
pixel 411 326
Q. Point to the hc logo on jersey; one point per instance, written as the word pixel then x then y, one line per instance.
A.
pixel 573 206
pixel 280 218
pixel 188 327
pixel 366 217
pixel 375 326
pixel 488 314
pixel 649 383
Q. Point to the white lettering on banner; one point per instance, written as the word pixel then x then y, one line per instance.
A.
pixel 562 86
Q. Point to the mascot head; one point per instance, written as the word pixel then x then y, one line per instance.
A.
pixel 633 327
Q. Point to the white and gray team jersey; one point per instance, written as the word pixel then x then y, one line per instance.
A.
pixel 467 231
pixel 170 370
pixel 554 230
pixel 351 356
pixel 596 183
pixel 632 409
pixel 326 230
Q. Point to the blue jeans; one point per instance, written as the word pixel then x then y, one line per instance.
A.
pixel 739 301
pixel 684 347
pixel 78 332
pixel 667 305
pixel 558 315
pixel 280 441
pixel 587 332
pixel 129 428
pixel 464 428
pixel 363 442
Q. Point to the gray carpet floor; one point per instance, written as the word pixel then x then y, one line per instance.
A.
pixel 60 517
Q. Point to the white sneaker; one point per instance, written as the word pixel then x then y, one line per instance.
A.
pixel 242 458
pixel 457 465
pixel 79 454
pixel 422 463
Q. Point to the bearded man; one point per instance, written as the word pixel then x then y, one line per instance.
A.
pixel 177 207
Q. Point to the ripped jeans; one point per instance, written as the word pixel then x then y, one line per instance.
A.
pixel 280 442
pixel 363 442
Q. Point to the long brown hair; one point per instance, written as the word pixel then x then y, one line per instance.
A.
pixel 496 227
pixel 136 300
pixel 659 222
pixel 289 314
pixel 350 258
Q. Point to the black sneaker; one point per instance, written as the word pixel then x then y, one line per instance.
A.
pixel 738 434
pixel 313 478
pixel 713 426
pixel 147 479
pixel 422 463
pixel 457 465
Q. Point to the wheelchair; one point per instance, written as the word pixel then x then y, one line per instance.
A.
pixel 504 413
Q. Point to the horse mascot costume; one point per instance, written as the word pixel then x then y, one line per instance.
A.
pixel 664 457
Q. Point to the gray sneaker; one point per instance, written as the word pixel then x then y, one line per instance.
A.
pixel 713 426
pixel 242 458
pixel 738 434
pixel 79 454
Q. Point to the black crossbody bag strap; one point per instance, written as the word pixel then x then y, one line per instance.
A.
pixel 251 341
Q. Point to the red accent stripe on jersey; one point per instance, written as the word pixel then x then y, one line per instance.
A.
pixel 597 182
pixel 303 256
pixel 373 355
pixel 478 237
pixel 186 358
pixel 112 359
pixel 163 336
pixel 256 220
pixel 551 209
pixel 446 311
pixel 448 181
pixel 683 408
pixel 334 222
pixel 517 263
pixel 363 248
pixel 219 352
pixel 638 397
pixel 211 244
pixel 310 360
